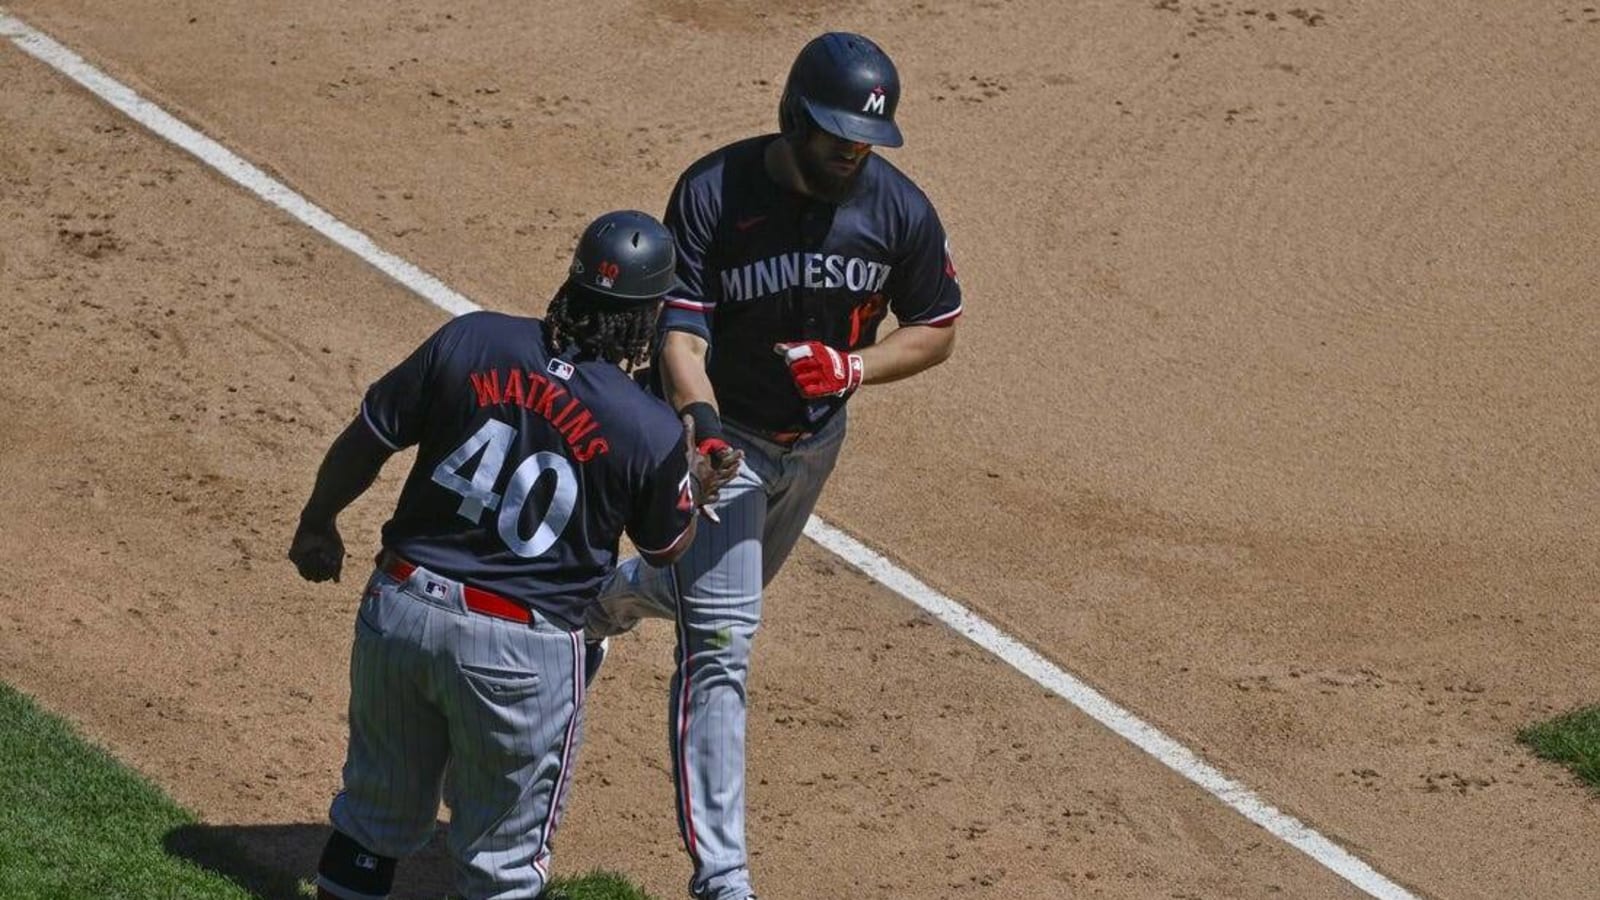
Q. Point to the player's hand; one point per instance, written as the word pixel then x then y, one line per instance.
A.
pixel 821 371
pixel 317 552
pixel 723 463
pixel 713 462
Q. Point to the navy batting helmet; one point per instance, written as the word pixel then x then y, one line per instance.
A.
pixel 624 256
pixel 847 86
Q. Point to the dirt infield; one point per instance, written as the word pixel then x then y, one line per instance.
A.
pixel 1273 417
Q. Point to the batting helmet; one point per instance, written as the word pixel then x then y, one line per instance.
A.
pixel 847 86
pixel 624 256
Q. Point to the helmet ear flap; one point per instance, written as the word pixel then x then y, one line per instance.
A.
pixel 791 121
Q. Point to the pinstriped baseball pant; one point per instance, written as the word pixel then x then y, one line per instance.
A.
pixel 484 712
pixel 717 587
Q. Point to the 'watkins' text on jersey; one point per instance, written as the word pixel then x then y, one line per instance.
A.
pixel 809 270
pixel 573 421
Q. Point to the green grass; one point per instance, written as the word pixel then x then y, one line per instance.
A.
pixel 1572 739
pixel 75 823
pixel 596 886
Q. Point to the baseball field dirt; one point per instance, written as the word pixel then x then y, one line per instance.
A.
pixel 1273 417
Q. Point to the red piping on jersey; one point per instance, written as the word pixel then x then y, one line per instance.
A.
pixel 667 550
pixel 943 321
pixel 691 305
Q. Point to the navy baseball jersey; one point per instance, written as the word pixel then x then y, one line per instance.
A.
pixel 761 264
pixel 529 465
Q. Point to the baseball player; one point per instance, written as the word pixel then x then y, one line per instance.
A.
pixel 793 248
pixel 535 452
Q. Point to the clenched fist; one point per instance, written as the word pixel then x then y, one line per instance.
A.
pixel 317 552
pixel 713 462
pixel 821 371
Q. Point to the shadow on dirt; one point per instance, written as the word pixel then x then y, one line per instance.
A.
pixel 271 861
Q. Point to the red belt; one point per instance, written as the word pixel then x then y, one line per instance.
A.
pixel 476 599
pixel 785 437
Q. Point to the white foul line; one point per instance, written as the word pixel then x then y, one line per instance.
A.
pixel 1140 733
pixel 213 154
pixel 1170 753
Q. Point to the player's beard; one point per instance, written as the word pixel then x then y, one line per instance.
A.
pixel 813 159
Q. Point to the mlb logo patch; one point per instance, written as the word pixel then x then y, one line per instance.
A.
pixel 434 589
pixel 560 368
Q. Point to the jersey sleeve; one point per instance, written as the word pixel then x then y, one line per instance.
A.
pixel 926 292
pixel 394 405
pixel 692 219
pixel 663 506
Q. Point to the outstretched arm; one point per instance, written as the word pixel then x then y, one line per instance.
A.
pixel 683 369
pixel 906 351
pixel 349 468
pixel 688 389
pixel 821 371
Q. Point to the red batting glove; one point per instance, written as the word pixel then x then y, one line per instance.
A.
pixel 821 371
pixel 713 447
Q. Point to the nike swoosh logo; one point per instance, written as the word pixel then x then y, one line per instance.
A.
pixel 747 224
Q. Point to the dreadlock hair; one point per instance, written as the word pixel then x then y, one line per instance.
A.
pixel 618 331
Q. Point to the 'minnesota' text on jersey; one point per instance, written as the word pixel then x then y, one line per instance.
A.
pixel 529 465
pixel 761 264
